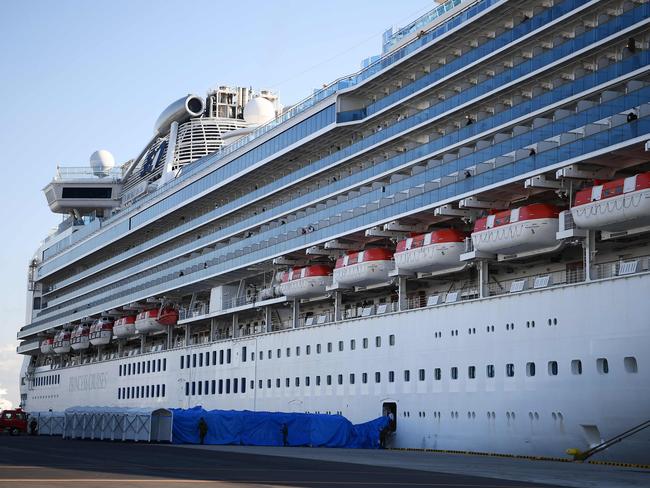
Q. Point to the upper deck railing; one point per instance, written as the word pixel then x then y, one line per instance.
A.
pixel 319 95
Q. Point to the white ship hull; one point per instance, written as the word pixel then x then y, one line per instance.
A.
pixel 617 213
pixel 532 415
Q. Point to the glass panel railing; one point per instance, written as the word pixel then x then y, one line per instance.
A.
pixel 238 257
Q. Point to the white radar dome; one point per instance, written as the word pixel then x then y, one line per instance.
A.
pixel 102 162
pixel 259 111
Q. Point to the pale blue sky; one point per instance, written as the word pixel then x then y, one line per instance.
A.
pixel 76 76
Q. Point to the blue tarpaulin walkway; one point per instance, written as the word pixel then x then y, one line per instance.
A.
pixel 266 429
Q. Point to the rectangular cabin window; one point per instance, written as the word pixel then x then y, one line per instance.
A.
pixel 471 372
pixel 228 356
pixel 200 388
pixel 163 390
pixel 378 341
pixel 391 340
pixel 308 349
pixel 277 382
pixel 297 350
pixel 207 358
pixel 317 380
pixel 227 386
pixel 576 366
pixel 221 356
pixel 317 348
pixel 259 384
pixel 510 370
pixel 329 379
pixel 377 377
pixel 243 353
pixel 489 370
pixel 296 381
pixel 187 388
pixel 340 379
pixel 329 347
pixel 340 345
pixel 352 378
pixel 530 369
pixel 193 387
pixel 235 385
pixel 187 361
pixel 194 360
pixel 268 383
pixel 454 373
pixel 287 382
pixel 407 375
pixel 200 360
pixel 278 353
pixel 220 387
pixel 164 364
pixel 391 376
pixel 353 344
pixel 365 343
pixel 243 385
pixel 213 385
pixel 288 352
pixel 364 378
pixel 81 192
pixel 306 380
pixel 421 375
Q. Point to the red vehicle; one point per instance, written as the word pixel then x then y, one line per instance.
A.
pixel 13 421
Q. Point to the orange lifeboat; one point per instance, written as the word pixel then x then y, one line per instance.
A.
pixel 168 316
pixel 61 344
pixel 124 326
pixel 434 251
pixel 617 205
pixel 101 331
pixel 80 337
pixel 364 268
pixel 147 321
pixel 310 281
pixel 525 229
pixel 47 345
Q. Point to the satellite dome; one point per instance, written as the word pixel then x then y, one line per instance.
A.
pixel 259 111
pixel 102 162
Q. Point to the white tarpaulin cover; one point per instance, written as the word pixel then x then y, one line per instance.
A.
pixel 118 423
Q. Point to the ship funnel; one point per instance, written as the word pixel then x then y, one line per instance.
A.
pixel 179 111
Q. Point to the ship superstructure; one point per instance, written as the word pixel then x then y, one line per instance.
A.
pixel 458 233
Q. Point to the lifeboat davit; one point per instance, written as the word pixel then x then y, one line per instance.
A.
pixel 124 326
pixel 47 345
pixel 434 251
pixel 147 321
pixel 617 205
pixel 525 229
pixel 168 316
pixel 61 344
pixel 80 337
pixel 364 268
pixel 101 332
pixel 310 281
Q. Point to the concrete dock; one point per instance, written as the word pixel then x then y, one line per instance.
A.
pixel 34 462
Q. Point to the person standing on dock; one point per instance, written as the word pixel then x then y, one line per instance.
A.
pixel 285 435
pixel 203 429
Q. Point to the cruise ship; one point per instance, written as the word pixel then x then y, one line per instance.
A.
pixel 458 234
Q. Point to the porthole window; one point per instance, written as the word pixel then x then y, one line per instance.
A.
pixel 391 340
pixel 602 365
pixel 317 348
pixel 576 366
pixel 530 369
pixel 353 344
pixel 630 364
pixel 308 349
pixel 552 368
